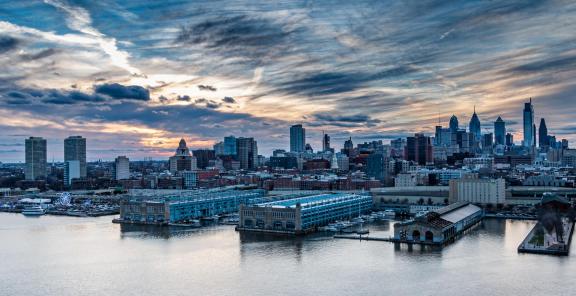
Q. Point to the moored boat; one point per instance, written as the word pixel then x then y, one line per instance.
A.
pixel 33 211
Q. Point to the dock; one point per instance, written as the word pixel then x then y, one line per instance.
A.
pixel 387 239
pixel 538 242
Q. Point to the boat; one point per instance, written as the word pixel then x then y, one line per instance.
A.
pixel 389 214
pixel 33 211
pixel 76 213
pixel 421 213
pixel 214 218
pixel 230 221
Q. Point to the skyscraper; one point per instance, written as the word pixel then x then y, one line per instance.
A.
pixel 326 143
pixel 36 158
pixel 529 131
pixel 247 153
pixel 376 166
pixel 475 126
pixel 487 142
pixel 509 139
pixel 230 146
pixel 75 149
pixel 182 159
pixel 348 147
pixel 219 148
pixel 418 149
pixel 543 140
pixel 203 157
pixel 500 131
pixel 122 168
pixel 297 138
pixel 454 124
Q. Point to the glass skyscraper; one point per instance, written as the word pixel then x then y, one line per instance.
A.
pixel 297 138
pixel 529 130
pixel 500 131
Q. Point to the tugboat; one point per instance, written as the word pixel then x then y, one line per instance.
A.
pixel 33 211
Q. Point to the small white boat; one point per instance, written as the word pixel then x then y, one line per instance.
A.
pixel 33 211
pixel 421 213
pixel 389 214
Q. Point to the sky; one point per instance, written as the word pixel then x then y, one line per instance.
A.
pixel 134 77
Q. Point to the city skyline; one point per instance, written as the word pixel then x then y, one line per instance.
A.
pixel 202 72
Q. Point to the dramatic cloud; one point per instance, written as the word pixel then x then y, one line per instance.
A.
pixel 229 100
pixel 118 91
pixel 7 43
pixel 206 87
pixel 141 74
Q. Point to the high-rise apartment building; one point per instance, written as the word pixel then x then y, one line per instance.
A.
pixel 36 158
pixel 247 153
pixel 297 138
pixel 75 149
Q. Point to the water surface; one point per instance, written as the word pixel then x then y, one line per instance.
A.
pixel 53 255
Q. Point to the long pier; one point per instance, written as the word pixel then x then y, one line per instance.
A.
pixel 531 244
pixel 387 239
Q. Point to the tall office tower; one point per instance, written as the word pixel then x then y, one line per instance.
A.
pixel 326 143
pixel 475 126
pixel 487 142
pixel 35 158
pixel 247 153
pixel 529 131
pixel 230 148
pixel 509 139
pixel 203 157
pixel 418 149
pixel 75 149
pixel 122 168
pixel 454 124
pixel 376 166
pixel 500 131
pixel 219 148
pixel 565 144
pixel 71 171
pixel 348 147
pixel 297 138
pixel 182 159
pixel 543 140
pixel 398 147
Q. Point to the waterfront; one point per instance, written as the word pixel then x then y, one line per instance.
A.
pixel 53 255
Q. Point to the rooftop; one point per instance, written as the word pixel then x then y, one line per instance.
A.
pixel 308 201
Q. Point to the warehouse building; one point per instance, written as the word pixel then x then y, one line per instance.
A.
pixel 439 226
pixel 303 214
pixel 178 208
pixel 479 191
